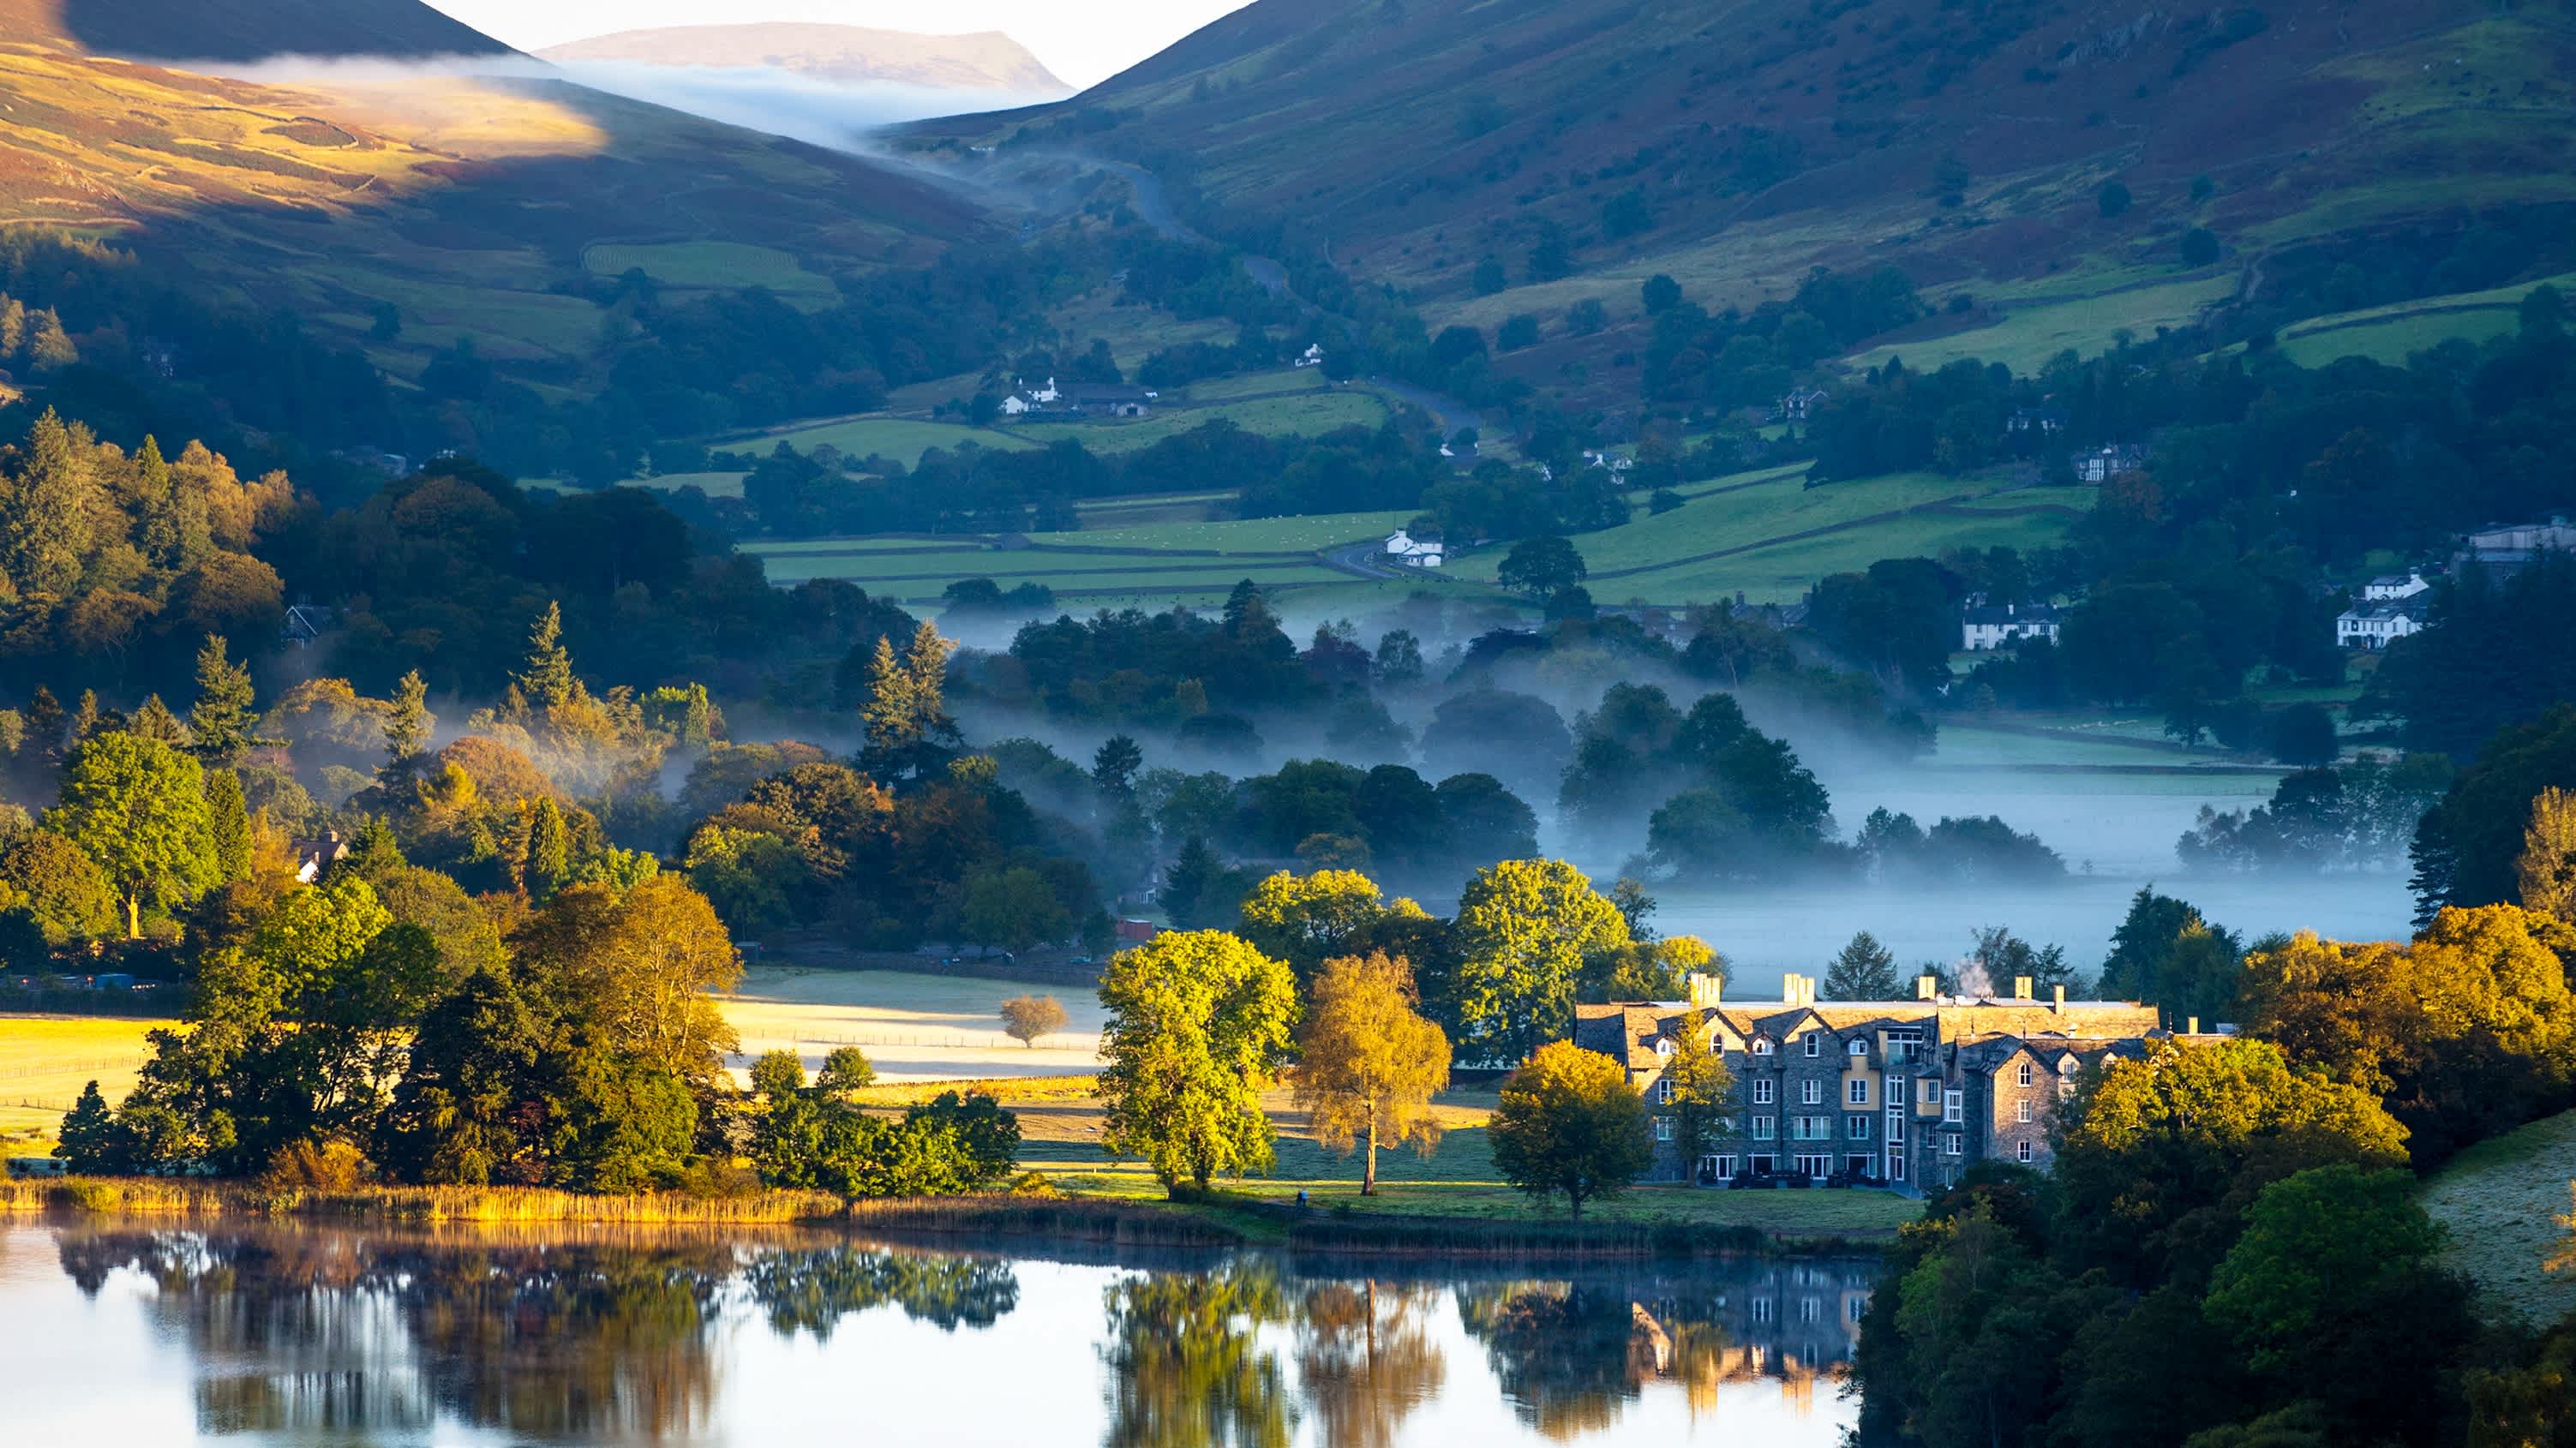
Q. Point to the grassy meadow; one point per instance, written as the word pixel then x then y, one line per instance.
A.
pixel 45 1060
pixel 913 1027
pixel 2501 1200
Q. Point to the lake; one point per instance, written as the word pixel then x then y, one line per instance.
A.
pixel 296 1334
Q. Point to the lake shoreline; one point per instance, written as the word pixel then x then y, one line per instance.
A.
pixel 1214 1222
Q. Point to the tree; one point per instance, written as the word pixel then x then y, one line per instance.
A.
pixel 1568 1123
pixel 778 1075
pixel 45 512
pixel 62 890
pixel 1015 909
pixel 1525 929
pixel 49 347
pixel 546 676
pixel 2546 869
pixel 1114 766
pixel 2114 199
pixel 2316 1248
pixel 1307 919
pixel 1371 1063
pixel 1864 971
pixel 138 808
pixel 1660 294
pixel 89 1142
pixel 2303 736
pixel 222 718
pixel 1539 567
pixel 845 1068
pixel 1028 1019
pixel 407 731
pixel 472 1104
pixel 2199 247
pixel 545 866
pixel 1701 1096
pixel 1198 1022
pixel 228 826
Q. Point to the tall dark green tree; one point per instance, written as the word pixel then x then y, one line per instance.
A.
pixel 546 677
pixel 1864 971
pixel 223 718
pixel 228 824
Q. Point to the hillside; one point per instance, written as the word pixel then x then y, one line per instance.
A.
pixel 164 30
pixel 843 54
pixel 467 204
pixel 1582 145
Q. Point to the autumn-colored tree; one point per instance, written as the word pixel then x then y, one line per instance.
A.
pixel 1698 1094
pixel 2547 868
pixel 642 965
pixel 1371 1063
pixel 1569 1123
pixel 1198 1023
pixel 1028 1019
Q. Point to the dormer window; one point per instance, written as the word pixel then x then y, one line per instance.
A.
pixel 1762 1048
pixel 1860 1047
pixel 1664 1047
pixel 1815 1043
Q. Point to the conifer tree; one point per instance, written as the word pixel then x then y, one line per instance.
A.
pixel 85 717
pixel 155 721
pixel 45 510
pixel 1865 971
pixel 89 1139
pixel 13 327
pixel 228 819
pixel 407 731
pixel 46 722
pixel 547 865
pixel 223 715
pixel 889 713
pixel 2547 868
pixel 547 679
pixel 49 347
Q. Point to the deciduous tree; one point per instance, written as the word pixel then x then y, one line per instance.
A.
pixel 1029 1019
pixel 1569 1123
pixel 1371 1063
pixel 138 808
pixel 1198 1022
pixel 1525 929
pixel 2546 870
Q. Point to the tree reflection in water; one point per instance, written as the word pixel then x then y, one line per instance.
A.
pixel 338 1333
pixel 1365 1361
pixel 1186 1365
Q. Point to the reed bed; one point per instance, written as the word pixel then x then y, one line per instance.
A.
pixel 515 1206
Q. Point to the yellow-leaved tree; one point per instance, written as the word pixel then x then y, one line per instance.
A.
pixel 1372 1063
pixel 2547 869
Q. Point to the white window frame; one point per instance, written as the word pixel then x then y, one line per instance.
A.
pixel 1815 1042
pixel 2022 1077
pixel 1663 1128
pixel 1856 1091
pixel 1815 1165
pixel 1954 1106
pixel 1950 1145
pixel 1664 1091
pixel 1856 1127
pixel 1895 1124
pixel 1927 1091
pixel 2022 1151
pixel 1896 1166
pixel 1761 1047
pixel 1762 1092
pixel 2025 1113
pixel 1766 1128
pixel 1720 1165
pixel 1860 1045
pixel 1811 1093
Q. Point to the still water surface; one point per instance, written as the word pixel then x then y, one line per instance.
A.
pixel 296 1335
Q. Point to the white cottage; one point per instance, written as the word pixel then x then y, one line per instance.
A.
pixel 1411 552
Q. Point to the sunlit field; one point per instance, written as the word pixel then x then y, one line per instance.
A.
pixel 913 1027
pixel 45 1060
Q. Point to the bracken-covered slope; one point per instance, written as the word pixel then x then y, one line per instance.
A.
pixel 987 60
pixel 236 30
pixel 471 204
pixel 1732 143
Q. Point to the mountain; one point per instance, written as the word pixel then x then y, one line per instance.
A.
pixel 464 201
pixel 242 30
pixel 1570 148
pixel 988 60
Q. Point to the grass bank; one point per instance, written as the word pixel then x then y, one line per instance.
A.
pixel 2501 1201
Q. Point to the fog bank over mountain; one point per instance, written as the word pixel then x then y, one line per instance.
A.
pixel 837 54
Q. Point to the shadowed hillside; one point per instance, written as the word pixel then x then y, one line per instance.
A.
pixel 239 30
pixel 1567 148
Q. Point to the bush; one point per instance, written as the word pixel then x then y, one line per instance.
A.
pixel 1518 332
pixel 2199 247
pixel 320 1166
pixel 2114 198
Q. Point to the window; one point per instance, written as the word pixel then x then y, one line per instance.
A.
pixel 1950 1145
pixel 2023 1076
pixel 1859 1047
pixel 1896 1166
pixel 1895 1124
pixel 1663 1128
pixel 1856 1091
pixel 1953 1105
pixel 1765 1127
pixel 1811 1093
pixel 1664 1092
pixel 2023 1112
pixel 1762 1093
pixel 1810 1310
pixel 1927 1091
pixel 1762 1048
pixel 1856 1127
pixel 1665 1048
pixel 1816 1165
pixel 2022 1151
pixel 1720 1168
pixel 1856 1307
pixel 1815 1043
pixel 1762 1309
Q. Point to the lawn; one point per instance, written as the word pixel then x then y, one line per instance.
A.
pixel 1310 414
pixel 901 438
pixel 1257 384
pixel 45 1060
pixel 714 485
pixel 2501 1200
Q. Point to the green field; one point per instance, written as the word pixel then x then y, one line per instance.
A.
pixel 901 438
pixel 2501 1200
pixel 2392 333
pixel 1309 414
pixel 1257 384
pixel 45 1060
pixel 709 265
pixel 2030 333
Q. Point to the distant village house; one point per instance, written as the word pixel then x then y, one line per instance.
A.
pixel 1986 627
pixel 1404 549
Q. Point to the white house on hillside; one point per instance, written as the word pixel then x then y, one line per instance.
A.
pixel 2393 585
pixel 1032 399
pixel 1313 355
pixel 1992 628
pixel 2377 624
pixel 1412 552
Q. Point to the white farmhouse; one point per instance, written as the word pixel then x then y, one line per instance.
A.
pixel 1411 552
pixel 2376 624
pixel 1313 356
pixel 1031 399
pixel 2393 585
pixel 1992 628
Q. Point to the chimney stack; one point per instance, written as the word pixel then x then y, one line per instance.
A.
pixel 1706 990
pixel 2191 1026
pixel 1797 990
pixel 2061 998
pixel 1927 987
pixel 2021 988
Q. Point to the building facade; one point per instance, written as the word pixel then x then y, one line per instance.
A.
pixel 1908 1093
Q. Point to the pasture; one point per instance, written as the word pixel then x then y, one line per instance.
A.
pixel 904 439
pixel 45 1060
pixel 1305 413
pixel 913 1027
pixel 708 265
pixel 2391 333
pixel 2029 332
pixel 2501 1201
